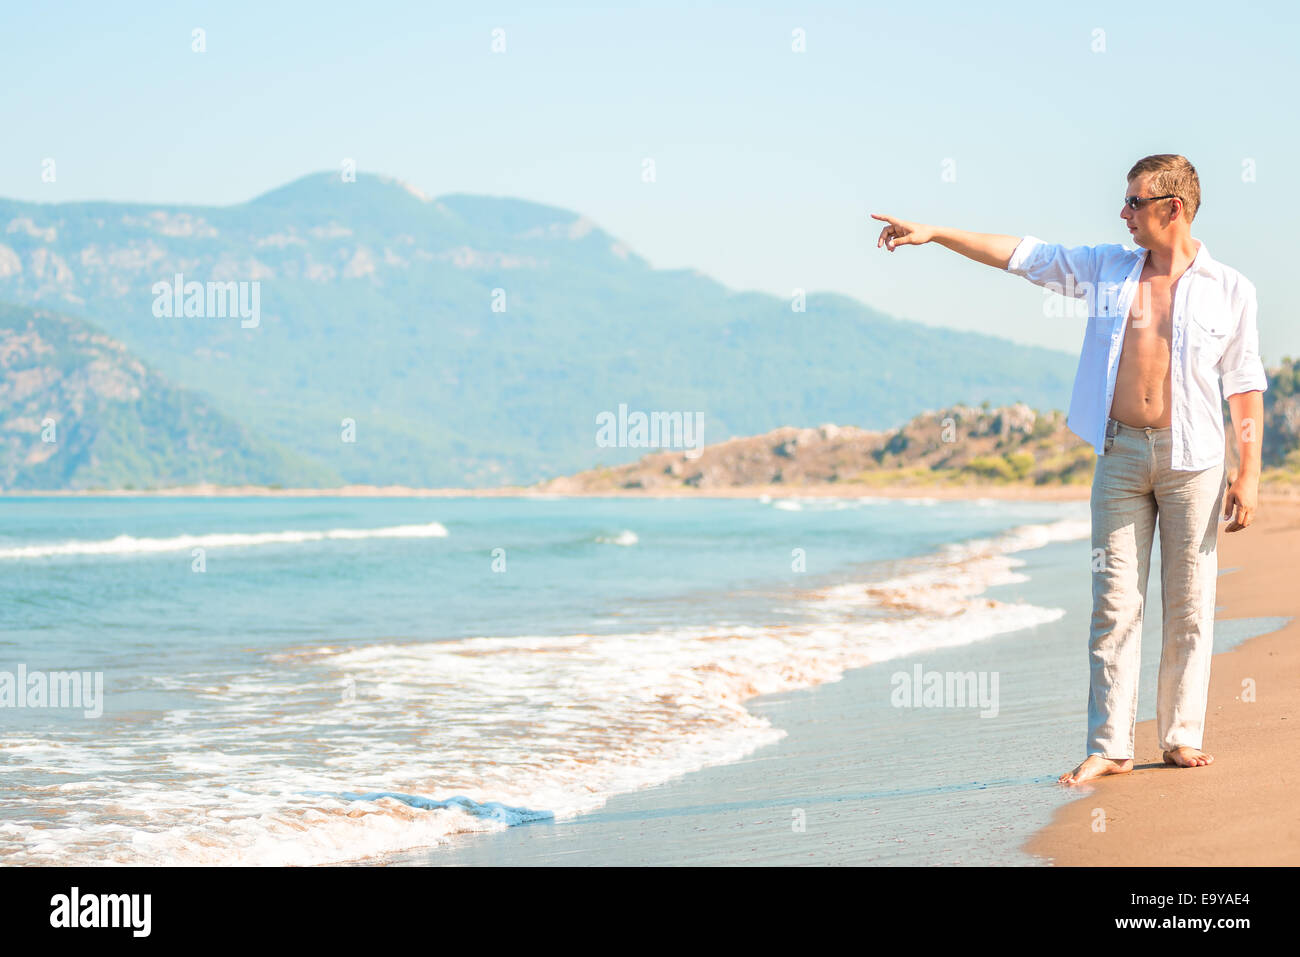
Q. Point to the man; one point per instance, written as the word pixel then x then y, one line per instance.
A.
pixel 1168 327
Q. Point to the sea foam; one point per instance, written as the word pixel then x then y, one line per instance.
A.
pixel 413 742
pixel 130 545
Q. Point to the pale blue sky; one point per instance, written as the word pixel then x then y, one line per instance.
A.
pixel 768 162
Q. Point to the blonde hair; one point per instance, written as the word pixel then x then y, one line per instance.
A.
pixel 1173 174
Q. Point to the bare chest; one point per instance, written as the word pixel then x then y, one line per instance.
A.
pixel 1150 322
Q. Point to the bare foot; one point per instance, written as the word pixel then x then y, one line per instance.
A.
pixel 1186 757
pixel 1094 767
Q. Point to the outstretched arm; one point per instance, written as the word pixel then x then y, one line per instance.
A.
pixel 991 249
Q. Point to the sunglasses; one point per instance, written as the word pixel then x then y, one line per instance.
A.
pixel 1137 202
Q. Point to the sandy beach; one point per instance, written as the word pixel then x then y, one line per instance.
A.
pixel 1242 809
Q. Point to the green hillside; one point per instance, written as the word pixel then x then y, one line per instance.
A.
pixel 78 411
pixel 376 305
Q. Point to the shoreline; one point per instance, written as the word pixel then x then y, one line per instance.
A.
pixel 1037 493
pixel 740 813
pixel 1240 810
pixel 717 678
pixel 1281 492
pixel 836 766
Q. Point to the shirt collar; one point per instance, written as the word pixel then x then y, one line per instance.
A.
pixel 1202 262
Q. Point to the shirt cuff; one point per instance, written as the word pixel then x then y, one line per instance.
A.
pixel 1249 378
pixel 1022 253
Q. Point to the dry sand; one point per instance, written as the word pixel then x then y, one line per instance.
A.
pixel 1242 809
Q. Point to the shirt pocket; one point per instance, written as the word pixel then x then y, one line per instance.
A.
pixel 1208 330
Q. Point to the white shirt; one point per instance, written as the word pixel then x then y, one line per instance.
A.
pixel 1214 336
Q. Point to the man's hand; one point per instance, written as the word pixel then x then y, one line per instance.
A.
pixel 1243 498
pixel 1247 410
pixel 990 249
pixel 900 232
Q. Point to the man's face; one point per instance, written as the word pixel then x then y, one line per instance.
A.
pixel 1147 222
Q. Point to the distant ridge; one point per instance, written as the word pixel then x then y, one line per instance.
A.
pixel 960 445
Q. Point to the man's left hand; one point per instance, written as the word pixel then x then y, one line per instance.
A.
pixel 1243 499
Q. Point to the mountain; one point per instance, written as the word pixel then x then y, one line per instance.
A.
pixel 472 340
pixel 78 411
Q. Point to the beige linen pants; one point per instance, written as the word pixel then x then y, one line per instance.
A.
pixel 1132 488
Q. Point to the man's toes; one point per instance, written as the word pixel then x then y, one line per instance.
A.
pixel 1186 757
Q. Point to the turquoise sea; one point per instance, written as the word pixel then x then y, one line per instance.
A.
pixel 313 680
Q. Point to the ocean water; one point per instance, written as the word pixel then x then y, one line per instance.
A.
pixel 311 681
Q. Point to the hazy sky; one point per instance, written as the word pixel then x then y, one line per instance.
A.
pixel 767 161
